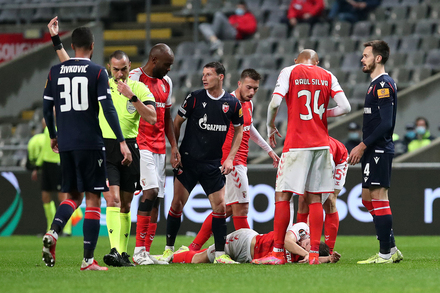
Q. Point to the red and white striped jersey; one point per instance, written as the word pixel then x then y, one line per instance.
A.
pixel 152 137
pixel 307 90
pixel 243 151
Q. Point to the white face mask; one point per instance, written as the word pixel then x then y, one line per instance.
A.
pixel 421 130
pixel 239 11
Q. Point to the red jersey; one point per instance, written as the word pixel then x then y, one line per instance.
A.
pixel 245 24
pixel 307 90
pixel 243 151
pixel 298 8
pixel 152 137
pixel 338 151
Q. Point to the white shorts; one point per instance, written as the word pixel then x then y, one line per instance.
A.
pixel 153 171
pixel 237 186
pixel 305 170
pixel 238 246
pixel 339 175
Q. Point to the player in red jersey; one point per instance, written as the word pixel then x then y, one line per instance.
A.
pixel 305 166
pixel 244 245
pixel 339 156
pixel 151 141
pixel 237 185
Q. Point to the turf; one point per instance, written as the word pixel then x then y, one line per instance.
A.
pixel 22 270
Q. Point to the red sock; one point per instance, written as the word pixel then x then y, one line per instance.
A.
pixel 150 235
pixel 184 257
pixel 331 226
pixel 203 235
pixel 369 206
pixel 302 217
pixel 316 221
pixel 142 229
pixel 280 223
pixel 240 222
pixel 381 207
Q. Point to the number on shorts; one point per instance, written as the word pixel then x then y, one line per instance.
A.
pixel 367 169
pixel 72 92
pixel 316 109
pixel 339 173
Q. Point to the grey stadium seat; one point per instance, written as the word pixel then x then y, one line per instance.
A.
pixel 401 76
pixel 326 45
pixel 306 44
pixel 347 45
pixel 285 47
pixel 201 49
pixel 389 3
pixel 301 30
pixel 246 47
pixel 424 27
pixel 230 63
pixel 429 43
pixel 351 62
pixel 409 44
pixel 332 61
pixel 382 29
pixel 418 12
pixel 420 74
pixel 403 27
pixel 265 47
pixel 362 30
pixel 274 18
pixel 415 59
pixel 271 80
pixel 399 13
pixel 341 29
pixel 320 30
pixel 227 48
pixel 396 59
pixel 185 49
pixel 278 32
pixel 433 59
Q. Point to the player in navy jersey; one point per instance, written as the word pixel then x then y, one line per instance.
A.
pixel 208 112
pixel 74 88
pixel 376 151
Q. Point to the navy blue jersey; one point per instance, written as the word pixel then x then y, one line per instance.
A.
pixel 74 87
pixel 380 114
pixel 208 121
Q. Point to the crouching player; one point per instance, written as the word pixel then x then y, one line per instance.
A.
pixel 245 245
pixel 339 156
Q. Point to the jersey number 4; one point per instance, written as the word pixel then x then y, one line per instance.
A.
pixel 316 109
pixel 73 90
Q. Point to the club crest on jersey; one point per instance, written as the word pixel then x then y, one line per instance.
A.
pixel 130 108
pixel 225 107
pixel 163 88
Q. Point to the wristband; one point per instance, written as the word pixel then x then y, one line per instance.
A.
pixel 134 99
pixel 56 41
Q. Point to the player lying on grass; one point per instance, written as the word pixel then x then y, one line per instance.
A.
pixel 246 245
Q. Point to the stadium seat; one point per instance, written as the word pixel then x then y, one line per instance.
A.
pixel 251 61
pixel 306 44
pixel 189 65
pixel 42 14
pixel 401 76
pixel 396 59
pixel 320 30
pixel 362 30
pixel 9 15
pixel 227 48
pixel 418 12
pixel 263 32
pixel 382 29
pixel 288 60
pixel 271 80
pixel 206 59
pixel 262 93
pixel 326 46
pixel 301 30
pixel 8 161
pixel 398 13
pixel 392 41
pixel 211 7
pixel 253 5
pixel 193 81
pixel 429 43
pixel 175 78
pixel 231 79
pixel 341 29
pixel 389 3
pixel 351 62
pixel 357 77
pixel 230 63
pixel 332 61
pixel 265 47
pixel 415 59
pixel 26 15
pixel 269 5
pixel 403 27
pixel 424 27
pixel 347 45
pixel 246 47
pixel 433 59
pixel 22 133
pixel 359 92
pixel 340 74
pixel 378 15
pixel 409 44
pixel 286 47
pixel 410 2
pixel 278 32
pixel 274 18
pixel 5 131
pixel 201 49
pixel 185 49
pixel 420 74
pixel 435 11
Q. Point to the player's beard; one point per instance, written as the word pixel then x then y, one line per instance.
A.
pixel 369 68
pixel 158 74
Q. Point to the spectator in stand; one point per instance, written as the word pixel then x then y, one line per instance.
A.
pixel 352 10
pixel 304 11
pixel 423 135
pixel 238 26
pixel 353 136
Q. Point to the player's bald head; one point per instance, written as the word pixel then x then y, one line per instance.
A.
pixel 307 56
pixel 160 50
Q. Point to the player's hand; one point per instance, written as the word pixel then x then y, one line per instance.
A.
pixel 271 131
pixel 293 21
pixel 305 259
pixel 53 26
pixel 334 257
pixel 124 89
pixel 356 154
pixel 275 159
pixel 54 145
pixel 34 175
pixel 227 167
pixel 175 158
pixel 125 151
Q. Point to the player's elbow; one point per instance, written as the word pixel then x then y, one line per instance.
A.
pixel 347 108
pixel 151 119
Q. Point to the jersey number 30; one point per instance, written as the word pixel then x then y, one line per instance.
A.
pixel 316 109
pixel 72 92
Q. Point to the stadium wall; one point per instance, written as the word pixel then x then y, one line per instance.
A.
pixel 25 76
pixel 413 196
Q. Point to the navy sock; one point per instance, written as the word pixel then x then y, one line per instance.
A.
pixel 173 226
pixel 393 242
pixel 64 211
pixel 383 230
pixel 91 230
pixel 219 230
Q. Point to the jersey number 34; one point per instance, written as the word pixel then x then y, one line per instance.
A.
pixel 316 109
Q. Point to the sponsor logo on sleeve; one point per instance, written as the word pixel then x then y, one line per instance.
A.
pixel 383 93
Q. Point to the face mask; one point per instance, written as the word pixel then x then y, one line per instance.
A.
pixel 239 11
pixel 410 134
pixel 420 130
pixel 353 135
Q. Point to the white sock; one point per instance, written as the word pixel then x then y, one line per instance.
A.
pixel 138 249
pixel 393 250
pixel 219 253
pixel 385 256
pixel 88 261
pixel 169 247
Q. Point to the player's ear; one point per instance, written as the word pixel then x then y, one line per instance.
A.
pixel 379 58
pixel 221 77
pixel 73 48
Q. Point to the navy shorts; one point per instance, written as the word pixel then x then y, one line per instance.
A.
pixel 376 168
pixel 127 177
pixel 83 170
pixel 51 177
pixel 208 174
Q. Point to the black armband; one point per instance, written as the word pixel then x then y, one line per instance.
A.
pixel 134 99
pixel 56 41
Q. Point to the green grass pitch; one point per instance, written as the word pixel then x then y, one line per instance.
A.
pixel 22 270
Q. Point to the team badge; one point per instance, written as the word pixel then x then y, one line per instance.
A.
pixel 240 112
pixel 225 108
pixel 163 88
pixel 369 89
pixel 130 108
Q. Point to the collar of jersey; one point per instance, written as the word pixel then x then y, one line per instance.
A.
pixel 221 96
pixel 379 76
pixel 79 58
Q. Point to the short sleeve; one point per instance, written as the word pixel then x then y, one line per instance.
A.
pixel 143 93
pixel 282 86
pixel 187 106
